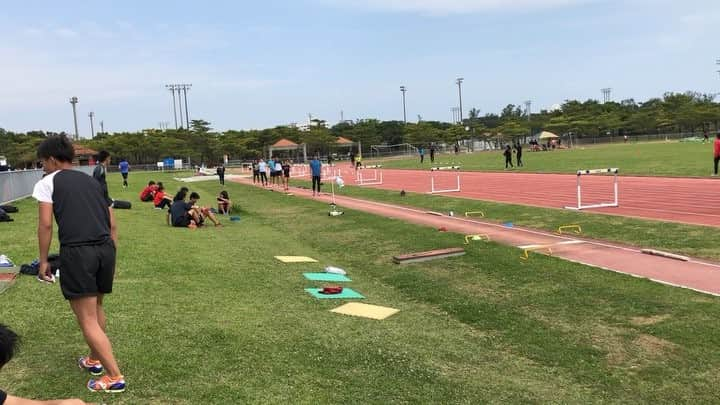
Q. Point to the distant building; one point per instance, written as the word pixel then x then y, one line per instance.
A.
pixel 84 156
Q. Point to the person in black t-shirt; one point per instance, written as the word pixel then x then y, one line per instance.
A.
pixel 181 212
pixel 88 236
pixel 508 156
pixel 221 174
pixel 103 158
pixel 8 346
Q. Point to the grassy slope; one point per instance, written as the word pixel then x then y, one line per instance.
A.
pixel 653 159
pixel 208 316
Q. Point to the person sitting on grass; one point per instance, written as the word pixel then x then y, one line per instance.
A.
pixel 161 199
pixel 148 193
pixel 202 212
pixel 224 203
pixel 8 347
pixel 181 212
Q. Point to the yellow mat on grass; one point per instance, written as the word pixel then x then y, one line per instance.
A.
pixel 296 259
pixel 365 310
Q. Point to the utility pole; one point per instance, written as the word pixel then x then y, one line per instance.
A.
pixel 92 125
pixel 717 62
pixel 528 103
pixel 171 87
pixel 185 88
pixel 606 94
pixel 102 127
pixel 74 101
pixel 404 89
pixel 177 87
pixel 459 81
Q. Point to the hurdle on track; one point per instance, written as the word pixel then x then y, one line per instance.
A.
pixel 581 173
pixel 299 171
pixel 433 170
pixel 377 178
pixel 330 171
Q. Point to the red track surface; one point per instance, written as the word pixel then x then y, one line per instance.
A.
pixel 688 200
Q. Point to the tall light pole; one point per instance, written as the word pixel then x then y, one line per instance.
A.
pixel 528 104
pixel 74 101
pixel 717 62
pixel 185 88
pixel 92 125
pixel 459 81
pixel 171 87
pixel 606 94
pixel 404 89
pixel 177 87
pixel 102 127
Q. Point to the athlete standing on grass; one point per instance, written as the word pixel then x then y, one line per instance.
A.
pixel 316 169
pixel 88 237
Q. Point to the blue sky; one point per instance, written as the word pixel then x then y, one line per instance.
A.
pixel 261 64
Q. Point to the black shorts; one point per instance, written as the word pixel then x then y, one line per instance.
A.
pixel 182 222
pixel 87 270
pixel 286 173
pixel 124 175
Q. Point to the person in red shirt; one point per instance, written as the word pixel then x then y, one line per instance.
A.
pixel 148 193
pixel 717 153
pixel 161 200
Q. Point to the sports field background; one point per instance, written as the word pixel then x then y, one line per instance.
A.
pixel 649 159
pixel 208 316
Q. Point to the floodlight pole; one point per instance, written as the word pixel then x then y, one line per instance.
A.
pixel 459 81
pixel 92 125
pixel 185 88
pixel 171 87
pixel 74 101
pixel 403 89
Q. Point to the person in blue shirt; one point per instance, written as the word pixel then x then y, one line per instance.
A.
pixel 421 151
pixel 316 168
pixel 124 167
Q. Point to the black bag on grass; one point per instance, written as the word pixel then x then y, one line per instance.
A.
pixel 10 209
pixel 122 205
pixel 4 217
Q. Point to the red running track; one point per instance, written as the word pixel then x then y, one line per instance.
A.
pixel 686 200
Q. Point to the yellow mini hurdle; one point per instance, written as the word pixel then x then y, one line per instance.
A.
pixel 476 237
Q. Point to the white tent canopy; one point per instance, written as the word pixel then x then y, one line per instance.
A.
pixel 547 135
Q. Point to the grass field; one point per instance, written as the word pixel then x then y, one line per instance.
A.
pixel 208 316
pixel 650 159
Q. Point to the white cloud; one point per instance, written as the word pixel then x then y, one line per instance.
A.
pixel 444 7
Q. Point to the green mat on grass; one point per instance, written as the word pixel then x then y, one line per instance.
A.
pixel 326 277
pixel 347 293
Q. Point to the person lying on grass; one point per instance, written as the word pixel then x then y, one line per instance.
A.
pixel 224 203
pixel 8 346
pixel 202 212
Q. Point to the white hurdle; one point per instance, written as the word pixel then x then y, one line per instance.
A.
pixel 581 173
pixel 377 178
pixel 433 170
pixel 299 171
